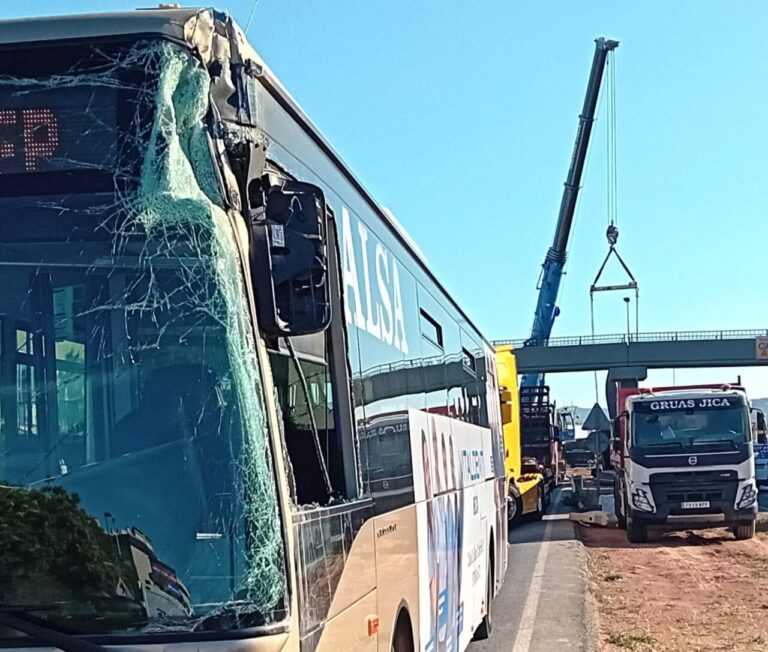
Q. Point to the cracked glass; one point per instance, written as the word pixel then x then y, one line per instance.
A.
pixel 137 490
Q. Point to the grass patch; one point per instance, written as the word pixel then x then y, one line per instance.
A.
pixel 631 641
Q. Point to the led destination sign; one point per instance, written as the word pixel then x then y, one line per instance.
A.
pixel 57 129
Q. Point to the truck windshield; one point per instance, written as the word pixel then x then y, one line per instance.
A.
pixel 690 427
pixel 137 493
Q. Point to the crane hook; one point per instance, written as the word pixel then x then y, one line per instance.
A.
pixel 612 233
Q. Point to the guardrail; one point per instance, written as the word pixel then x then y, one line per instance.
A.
pixel 624 338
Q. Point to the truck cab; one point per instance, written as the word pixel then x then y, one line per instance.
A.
pixel 684 458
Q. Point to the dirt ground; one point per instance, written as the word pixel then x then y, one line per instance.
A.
pixel 689 591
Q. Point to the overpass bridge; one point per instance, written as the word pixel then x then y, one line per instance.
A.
pixel 626 358
pixel 636 353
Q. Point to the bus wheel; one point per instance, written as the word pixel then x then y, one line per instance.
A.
pixel 485 628
pixel 744 531
pixel 402 641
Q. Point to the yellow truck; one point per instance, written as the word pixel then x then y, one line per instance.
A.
pixel 526 491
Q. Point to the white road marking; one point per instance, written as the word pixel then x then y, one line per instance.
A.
pixel 528 619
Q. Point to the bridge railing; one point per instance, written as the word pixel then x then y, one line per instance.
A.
pixel 624 338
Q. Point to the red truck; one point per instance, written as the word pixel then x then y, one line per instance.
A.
pixel 539 437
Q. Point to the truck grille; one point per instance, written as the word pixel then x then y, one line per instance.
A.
pixel 692 477
pixel 694 486
pixel 692 496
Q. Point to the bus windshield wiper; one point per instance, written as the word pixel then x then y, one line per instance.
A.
pixel 18 620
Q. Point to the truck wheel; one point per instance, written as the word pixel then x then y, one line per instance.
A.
pixel 539 513
pixel 744 531
pixel 636 532
pixel 514 510
pixel 619 508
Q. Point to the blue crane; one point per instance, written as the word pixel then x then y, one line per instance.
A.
pixel 554 263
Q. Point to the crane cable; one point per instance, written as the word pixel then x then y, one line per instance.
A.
pixel 612 182
pixel 613 177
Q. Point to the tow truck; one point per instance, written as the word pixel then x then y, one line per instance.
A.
pixel 684 458
pixel 528 488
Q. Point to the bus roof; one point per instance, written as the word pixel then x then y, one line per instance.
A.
pixel 179 25
pixel 162 22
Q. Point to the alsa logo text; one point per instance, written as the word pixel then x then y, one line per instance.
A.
pixel 376 309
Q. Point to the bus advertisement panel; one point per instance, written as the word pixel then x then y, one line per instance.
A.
pixel 454 488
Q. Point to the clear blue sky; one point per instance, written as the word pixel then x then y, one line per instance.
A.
pixel 460 116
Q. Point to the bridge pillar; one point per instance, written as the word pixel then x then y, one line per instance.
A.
pixel 621 377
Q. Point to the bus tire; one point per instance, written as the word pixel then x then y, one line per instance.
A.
pixel 402 639
pixel 744 531
pixel 485 628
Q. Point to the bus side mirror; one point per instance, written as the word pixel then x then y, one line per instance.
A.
pixel 289 256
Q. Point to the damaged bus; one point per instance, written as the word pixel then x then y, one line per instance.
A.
pixel 235 403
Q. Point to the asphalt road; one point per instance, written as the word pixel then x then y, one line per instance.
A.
pixel 541 606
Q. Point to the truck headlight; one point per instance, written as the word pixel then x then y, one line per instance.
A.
pixel 641 501
pixel 747 497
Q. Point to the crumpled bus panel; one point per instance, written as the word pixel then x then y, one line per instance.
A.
pixel 179 189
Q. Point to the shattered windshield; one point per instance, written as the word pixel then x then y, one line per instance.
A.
pixel 136 484
pixel 689 427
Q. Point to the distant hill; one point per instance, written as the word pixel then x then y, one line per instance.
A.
pixel 761 403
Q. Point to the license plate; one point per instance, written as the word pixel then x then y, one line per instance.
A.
pixel 697 504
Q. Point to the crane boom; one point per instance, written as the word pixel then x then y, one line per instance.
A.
pixel 554 263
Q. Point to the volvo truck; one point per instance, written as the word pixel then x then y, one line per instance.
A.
pixel 684 458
